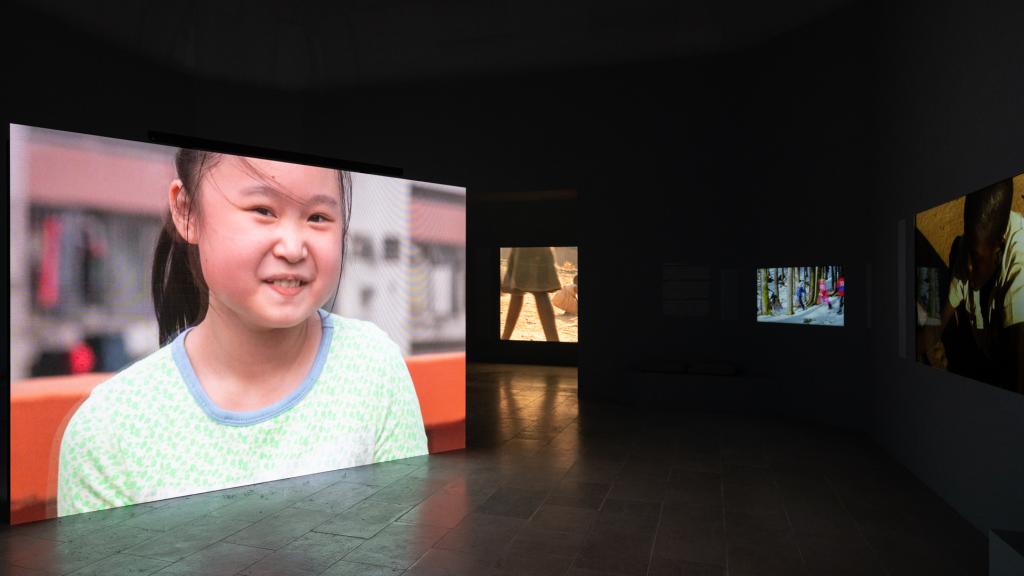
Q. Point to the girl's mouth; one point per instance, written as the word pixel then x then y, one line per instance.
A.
pixel 287 287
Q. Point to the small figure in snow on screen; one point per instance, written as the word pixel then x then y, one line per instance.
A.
pixel 801 292
pixel 823 293
pixel 842 293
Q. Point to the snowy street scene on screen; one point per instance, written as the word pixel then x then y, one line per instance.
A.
pixel 813 295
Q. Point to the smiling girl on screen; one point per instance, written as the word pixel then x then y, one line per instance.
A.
pixel 254 381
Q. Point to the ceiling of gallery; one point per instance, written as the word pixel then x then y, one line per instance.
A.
pixel 297 44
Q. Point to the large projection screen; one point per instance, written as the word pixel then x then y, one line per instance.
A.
pixel 291 339
pixel 969 285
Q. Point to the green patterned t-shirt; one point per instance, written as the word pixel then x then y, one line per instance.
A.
pixel 151 432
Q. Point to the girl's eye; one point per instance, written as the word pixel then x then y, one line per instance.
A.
pixel 262 211
pixel 322 218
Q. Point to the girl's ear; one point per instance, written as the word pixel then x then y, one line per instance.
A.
pixel 177 201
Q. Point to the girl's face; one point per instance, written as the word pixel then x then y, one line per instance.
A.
pixel 269 239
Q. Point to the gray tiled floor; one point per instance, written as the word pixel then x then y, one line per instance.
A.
pixel 546 488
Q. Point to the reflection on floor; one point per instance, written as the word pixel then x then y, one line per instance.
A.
pixel 547 487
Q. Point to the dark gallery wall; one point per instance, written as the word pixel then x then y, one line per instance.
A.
pixel 763 167
pixel 950 100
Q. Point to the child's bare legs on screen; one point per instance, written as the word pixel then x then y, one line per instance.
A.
pixel 515 305
pixel 547 315
pixel 544 309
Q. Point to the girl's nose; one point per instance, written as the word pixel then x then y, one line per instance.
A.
pixel 291 248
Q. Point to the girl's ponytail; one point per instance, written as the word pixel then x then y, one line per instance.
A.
pixel 179 300
pixel 180 294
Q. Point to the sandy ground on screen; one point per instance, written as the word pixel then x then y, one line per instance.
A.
pixel 528 326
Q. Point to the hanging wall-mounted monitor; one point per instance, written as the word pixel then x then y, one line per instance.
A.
pixel 807 295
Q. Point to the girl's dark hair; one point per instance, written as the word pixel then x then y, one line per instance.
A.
pixel 180 294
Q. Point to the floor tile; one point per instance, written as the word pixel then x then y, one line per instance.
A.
pixel 578 494
pixel 514 502
pixel 563 519
pixel 409 491
pixel 123 565
pixel 364 519
pixel 183 541
pixel 530 541
pixel 397 546
pixel 482 535
pixel 697 543
pixel 346 568
pixel 220 559
pixel 277 530
pixel 89 549
pixel 313 553
pixel 442 509
pixel 338 497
